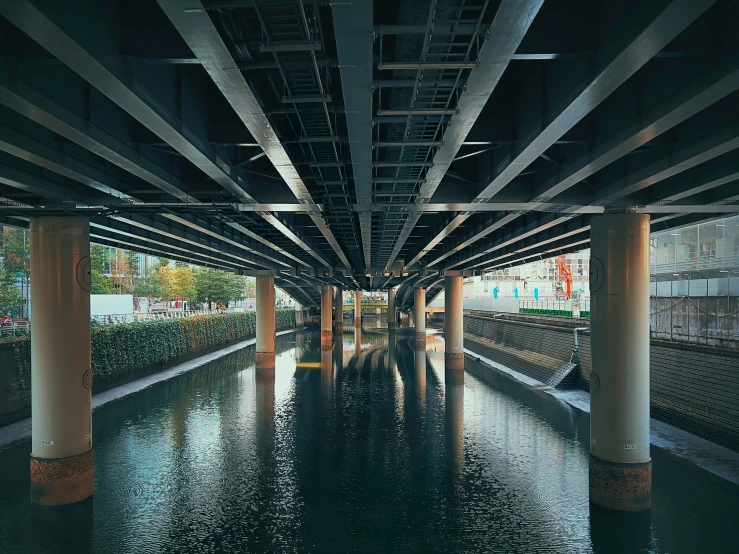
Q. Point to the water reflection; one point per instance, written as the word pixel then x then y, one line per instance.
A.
pixel 454 425
pixel 369 449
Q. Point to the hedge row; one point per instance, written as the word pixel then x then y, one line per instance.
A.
pixel 118 350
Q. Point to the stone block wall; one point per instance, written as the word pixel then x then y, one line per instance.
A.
pixel 693 387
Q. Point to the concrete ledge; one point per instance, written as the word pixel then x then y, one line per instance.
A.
pixel 717 460
pixel 20 431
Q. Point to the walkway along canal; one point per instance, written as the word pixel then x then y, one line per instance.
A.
pixel 358 448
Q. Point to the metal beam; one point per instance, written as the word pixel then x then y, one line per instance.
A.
pixel 512 20
pixel 21 97
pixel 194 24
pixel 353 31
pixel 621 55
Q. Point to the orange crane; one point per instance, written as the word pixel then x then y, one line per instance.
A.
pixel 563 270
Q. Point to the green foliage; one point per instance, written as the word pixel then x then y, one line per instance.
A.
pixel 15 260
pixel 101 283
pixel 118 350
pixel 215 285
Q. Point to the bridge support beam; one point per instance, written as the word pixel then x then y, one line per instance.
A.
pixel 61 376
pixel 326 302
pixel 419 310
pixel 339 311
pixel 358 309
pixel 620 463
pixel 392 319
pixel 453 330
pixel 266 329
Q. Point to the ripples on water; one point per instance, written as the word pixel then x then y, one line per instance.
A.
pixel 359 449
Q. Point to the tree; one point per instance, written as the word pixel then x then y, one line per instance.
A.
pixel 101 283
pixel 16 264
pixel 174 282
pixel 215 285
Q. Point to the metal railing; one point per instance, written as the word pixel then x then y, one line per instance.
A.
pixel 15 330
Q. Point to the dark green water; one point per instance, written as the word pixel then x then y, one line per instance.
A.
pixel 347 454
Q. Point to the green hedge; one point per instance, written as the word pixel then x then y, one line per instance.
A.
pixel 118 350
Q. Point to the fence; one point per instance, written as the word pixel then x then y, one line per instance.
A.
pixel 563 308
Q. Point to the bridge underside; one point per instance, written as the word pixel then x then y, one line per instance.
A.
pixel 367 144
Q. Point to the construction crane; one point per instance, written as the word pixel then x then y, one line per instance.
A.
pixel 564 271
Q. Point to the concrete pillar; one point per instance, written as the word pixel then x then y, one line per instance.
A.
pixel 392 320
pixel 326 301
pixel 61 375
pixel 419 310
pixel 358 308
pixel 265 355
pixel 620 464
pixel 299 318
pixel 339 311
pixel 453 329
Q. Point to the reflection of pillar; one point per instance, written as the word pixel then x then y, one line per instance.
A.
pixel 61 377
pixel 327 374
pixel 358 339
pixel 419 310
pixel 453 327
pixel 265 355
pixel 326 301
pixel 391 317
pixel 358 308
pixel 455 426
pixel 421 375
pixel 620 465
pixel 339 352
pixel 391 350
pixel 404 320
pixel 265 409
pixel 339 311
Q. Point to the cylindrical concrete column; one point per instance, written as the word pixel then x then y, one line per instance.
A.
pixel 358 308
pixel 392 320
pixel 61 375
pixel 339 311
pixel 266 330
pixel 620 464
pixel 326 302
pixel 453 326
pixel 419 310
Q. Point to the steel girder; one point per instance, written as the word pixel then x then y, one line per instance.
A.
pixel 202 37
pixel 125 92
pixel 509 26
pixel 618 60
pixel 353 30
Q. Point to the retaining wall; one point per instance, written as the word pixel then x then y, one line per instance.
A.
pixel 693 387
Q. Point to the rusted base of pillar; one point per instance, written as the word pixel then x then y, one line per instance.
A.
pixel 357 322
pixel 339 326
pixel 420 341
pixel 265 360
pixel 454 376
pixel 453 360
pixel 326 340
pixel 57 481
pixel 623 487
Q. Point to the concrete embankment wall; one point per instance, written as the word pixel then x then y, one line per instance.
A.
pixel 693 387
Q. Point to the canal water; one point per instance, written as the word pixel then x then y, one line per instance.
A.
pixel 362 448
